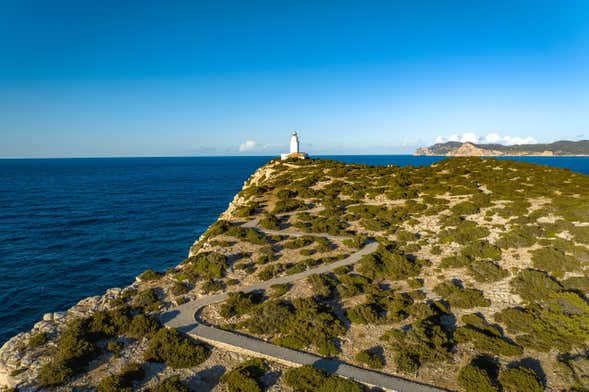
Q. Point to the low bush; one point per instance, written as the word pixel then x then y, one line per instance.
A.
pixel 518 379
pixel 288 205
pixel 369 313
pixel 175 349
pixel 370 358
pixel 298 242
pixel 454 262
pixel 486 342
pixel 357 241
pixel 481 250
pixel 270 222
pixel 486 271
pixel 239 303
pixel 147 299
pixel 115 348
pixel 554 261
pixel 211 285
pixel 278 290
pixel 388 264
pixel 270 271
pixel 322 284
pixel 150 274
pixel 38 339
pixel 209 265
pixel 246 376
pixel 170 384
pixel 310 379
pixel 474 379
pixel 123 381
pixel 179 288
pixel 75 349
pixel 460 297
pixel 424 341
pixel 534 285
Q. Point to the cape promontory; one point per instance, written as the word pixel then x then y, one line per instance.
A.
pixel 470 274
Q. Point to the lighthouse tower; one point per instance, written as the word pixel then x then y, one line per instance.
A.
pixel 294 149
pixel 294 143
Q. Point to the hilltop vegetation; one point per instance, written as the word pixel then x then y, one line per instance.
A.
pixel 479 282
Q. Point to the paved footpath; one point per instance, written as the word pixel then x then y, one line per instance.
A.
pixel 184 318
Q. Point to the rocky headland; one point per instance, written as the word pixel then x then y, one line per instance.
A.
pixel 470 274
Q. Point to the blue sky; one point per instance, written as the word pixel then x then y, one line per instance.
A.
pixel 142 78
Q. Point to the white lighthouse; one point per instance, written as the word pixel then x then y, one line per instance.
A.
pixel 294 143
pixel 294 148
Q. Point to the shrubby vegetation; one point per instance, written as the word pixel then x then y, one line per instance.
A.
pixel 520 379
pixel 175 349
pixel 246 376
pixel 388 263
pixel 310 379
pixel 471 378
pixel 171 384
pixel 123 381
pixel 209 265
pixel 460 297
pixel 370 358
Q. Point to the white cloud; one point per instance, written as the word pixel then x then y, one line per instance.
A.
pixel 248 145
pixel 494 138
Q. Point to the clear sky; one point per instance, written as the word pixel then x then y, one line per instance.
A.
pixel 141 78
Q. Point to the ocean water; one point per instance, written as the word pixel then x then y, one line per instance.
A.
pixel 71 228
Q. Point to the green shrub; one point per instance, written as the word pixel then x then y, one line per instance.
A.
pixel 425 341
pixel 465 208
pixel 298 242
pixel 75 349
pixel 210 285
pixel 310 379
pixel 519 379
pixel 474 379
pixel 150 274
pixel 454 262
pixel 370 358
pixel 534 285
pixel 175 349
pixel 288 205
pixel 465 232
pixel 481 250
pixel 170 384
pixel 270 222
pixel 369 313
pixel 38 339
pixel 322 284
pixel 115 348
pixel 387 264
pixel 486 271
pixel 147 299
pixel 485 342
pixel 208 265
pixel 123 381
pixel 246 376
pixel 278 290
pixel 270 271
pixel 179 288
pixel 357 242
pixel 460 297
pixel 554 261
pixel 239 303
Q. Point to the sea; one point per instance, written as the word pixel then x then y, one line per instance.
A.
pixel 71 228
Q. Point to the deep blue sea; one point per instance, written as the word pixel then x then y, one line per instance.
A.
pixel 71 228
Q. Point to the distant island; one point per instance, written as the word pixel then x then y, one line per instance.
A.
pixel 558 148
pixel 470 274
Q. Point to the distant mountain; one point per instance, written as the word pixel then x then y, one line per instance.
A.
pixel 559 148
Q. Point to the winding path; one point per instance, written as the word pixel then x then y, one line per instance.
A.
pixel 184 318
